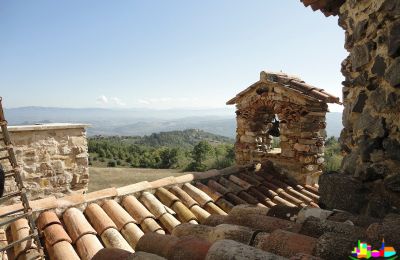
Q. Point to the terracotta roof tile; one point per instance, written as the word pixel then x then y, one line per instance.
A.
pixel 136 209
pixel 87 246
pixel 19 230
pixel 201 197
pixel 215 195
pixel 153 204
pixel 166 197
pixel 55 233
pixel 120 218
pixel 114 253
pixel 117 214
pixel 62 250
pixel 98 218
pixel 132 233
pixel 111 238
pixel 159 210
pixel 76 224
pixel 217 187
pixel 47 218
pixel 290 83
pixel 183 196
pixel 172 247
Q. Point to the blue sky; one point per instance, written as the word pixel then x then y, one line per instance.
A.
pixel 159 54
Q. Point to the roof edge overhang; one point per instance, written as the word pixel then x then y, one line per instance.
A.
pixel 290 83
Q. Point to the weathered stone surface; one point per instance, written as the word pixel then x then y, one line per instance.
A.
pixel 392 74
pixel 393 101
pixel 376 171
pixel 378 205
pixel 370 138
pixel 379 66
pixel 359 103
pixel 378 100
pixel 391 7
pixel 301 128
pixel 358 220
pixel 49 160
pixel 228 249
pixel 367 146
pixel 392 182
pixel 372 126
pixel 315 227
pixel 360 30
pixel 339 191
pixel 392 149
pixel 389 229
pixel 332 246
pixel 394 40
pixel 359 56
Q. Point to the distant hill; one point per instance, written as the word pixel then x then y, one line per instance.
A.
pixel 140 122
pixel 183 139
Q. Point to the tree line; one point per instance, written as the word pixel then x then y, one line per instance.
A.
pixel 118 152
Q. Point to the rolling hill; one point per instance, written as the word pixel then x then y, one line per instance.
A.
pixel 134 122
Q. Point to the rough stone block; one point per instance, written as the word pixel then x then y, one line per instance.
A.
pixel 394 39
pixel 339 191
pixel 392 74
pixel 359 56
pixel 301 147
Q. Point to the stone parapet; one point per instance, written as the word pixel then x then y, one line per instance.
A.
pixel 53 158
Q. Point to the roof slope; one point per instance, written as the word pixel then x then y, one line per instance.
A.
pixel 118 218
pixel 290 83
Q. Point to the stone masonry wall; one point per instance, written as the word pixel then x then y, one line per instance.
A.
pixel 371 118
pixel 302 131
pixel 53 158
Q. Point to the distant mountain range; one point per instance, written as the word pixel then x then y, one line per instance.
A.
pixel 140 121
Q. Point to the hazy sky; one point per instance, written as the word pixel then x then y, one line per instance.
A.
pixel 157 53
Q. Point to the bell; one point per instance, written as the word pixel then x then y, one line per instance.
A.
pixel 274 131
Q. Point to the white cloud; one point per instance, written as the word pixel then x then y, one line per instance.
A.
pixel 110 101
pixel 144 101
pixel 117 101
pixel 102 99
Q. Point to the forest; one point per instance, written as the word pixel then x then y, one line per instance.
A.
pixel 188 150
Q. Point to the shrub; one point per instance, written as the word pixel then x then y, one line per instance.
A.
pixel 112 163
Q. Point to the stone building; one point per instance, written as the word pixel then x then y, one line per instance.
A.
pixel 53 159
pixel 282 119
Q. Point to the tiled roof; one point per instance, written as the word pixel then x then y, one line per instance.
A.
pixel 291 83
pixel 328 7
pixel 79 226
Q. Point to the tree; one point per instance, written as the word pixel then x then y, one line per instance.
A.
pixel 199 155
pixel 333 156
pixel 102 153
pixel 169 158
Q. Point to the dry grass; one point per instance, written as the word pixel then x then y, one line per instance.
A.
pixel 101 178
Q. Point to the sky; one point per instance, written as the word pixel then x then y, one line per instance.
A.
pixel 159 54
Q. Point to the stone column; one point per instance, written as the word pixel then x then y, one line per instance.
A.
pixel 371 118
